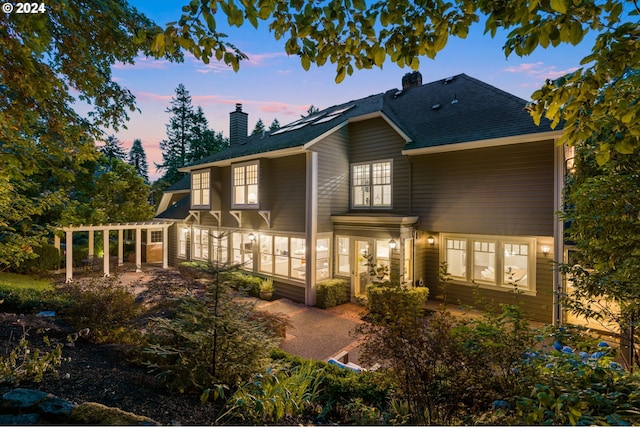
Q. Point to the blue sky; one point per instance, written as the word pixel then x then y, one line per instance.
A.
pixel 273 85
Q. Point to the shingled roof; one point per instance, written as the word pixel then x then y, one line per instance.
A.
pixel 448 111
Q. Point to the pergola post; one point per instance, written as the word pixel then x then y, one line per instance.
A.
pixel 120 247
pixel 91 244
pixel 105 247
pixel 56 244
pixel 69 256
pixel 165 247
pixel 138 250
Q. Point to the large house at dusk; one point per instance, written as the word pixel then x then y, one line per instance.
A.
pixel 454 170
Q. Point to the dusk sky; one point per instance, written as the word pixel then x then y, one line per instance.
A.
pixel 273 85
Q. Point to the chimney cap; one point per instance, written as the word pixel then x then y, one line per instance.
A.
pixel 238 106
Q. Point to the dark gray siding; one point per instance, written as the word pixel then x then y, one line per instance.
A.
pixel 286 194
pixel 374 139
pixel 290 291
pixel 500 190
pixel 333 178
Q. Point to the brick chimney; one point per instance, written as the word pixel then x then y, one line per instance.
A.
pixel 410 80
pixel 238 126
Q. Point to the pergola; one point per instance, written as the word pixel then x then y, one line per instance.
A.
pixel 106 228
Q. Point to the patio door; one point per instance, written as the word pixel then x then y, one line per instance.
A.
pixel 360 274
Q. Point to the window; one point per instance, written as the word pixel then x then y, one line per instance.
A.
pixel 245 184
pixel 285 256
pixel 281 249
pixel 491 261
pixel 322 259
pixel 266 254
pixel 298 258
pixel 182 241
pixel 200 188
pixel 156 236
pixel 242 247
pixel 220 247
pixel 371 185
pixel 201 243
pixel 343 268
pixel 407 267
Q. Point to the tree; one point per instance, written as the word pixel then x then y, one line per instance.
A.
pixel 138 159
pixel 73 45
pixel 358 34
pixel 112 148
pixel 204 141
pixel 179 134
pixel 310 111
pixel 275 125
pixel 258 128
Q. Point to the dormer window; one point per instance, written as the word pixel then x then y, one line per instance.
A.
pixel 200 189
pixel 245 184
pixel 371 184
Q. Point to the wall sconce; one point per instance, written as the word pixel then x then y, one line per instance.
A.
pixel 392 244
pixel 252 237
pixel 545 249
pixel 431 240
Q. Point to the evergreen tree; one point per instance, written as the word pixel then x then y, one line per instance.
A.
pixel 208 143
pixel 112 149
pixel 138 159
pixel 275 125
pixel 311 110
pixel 259 128
pixel 175 148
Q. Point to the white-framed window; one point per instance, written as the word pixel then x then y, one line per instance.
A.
pixel 343 255
pixel 183 233
pixel 322 258
pixel 220 247
pixel 155 236
pixel 495 262
pixel 244 179
pixel 242 250
pixel 407 262
pixel 283 256
pixel 371 184
pixel 201 243
pixel 200 184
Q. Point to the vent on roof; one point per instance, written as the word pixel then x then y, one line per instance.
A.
pixel 448 80
pixel 435 107
pixel 398 93
pixel 455 99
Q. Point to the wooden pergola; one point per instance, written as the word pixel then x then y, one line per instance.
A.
pixel 120 227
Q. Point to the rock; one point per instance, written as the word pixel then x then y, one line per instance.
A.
pixel 19 420
pixel 23 398
pixel 96 413
pixel 55 407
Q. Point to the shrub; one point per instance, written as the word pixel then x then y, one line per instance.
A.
pixel 386 299
pixel 242 281
pixel 48 259
pixel 23 300
pixel 107 309
pixel 195 269
pixel 331 292
pixel 26 363
pixel 208 341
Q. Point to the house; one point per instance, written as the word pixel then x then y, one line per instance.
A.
pixel 450 171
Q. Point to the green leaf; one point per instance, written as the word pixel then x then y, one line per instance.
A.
pixel 379 55
pixel 626 146
pixel 306 62
pixel 560 5
pixel 342 73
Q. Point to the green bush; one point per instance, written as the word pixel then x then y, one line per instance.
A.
pixel 195 269
pixel 48 259
pixel 107 309
pixel 243 282
pixel 386 300
pixel 331 292
pixel 26 363
pixel 29 300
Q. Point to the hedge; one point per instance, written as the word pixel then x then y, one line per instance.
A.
pixel 331 292
pixel 242 281
pixel 386 299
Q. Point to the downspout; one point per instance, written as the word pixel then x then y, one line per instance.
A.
pixel 558 232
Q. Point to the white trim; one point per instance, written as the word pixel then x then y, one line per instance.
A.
pixel 375 219
pixel 311 228
pixel 217 215
pixel 266 215
pixel 484 143
pixel 118 226
pixel 238 216
pixel 244 166
pixel 247 158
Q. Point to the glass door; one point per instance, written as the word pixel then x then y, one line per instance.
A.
pixel 360 275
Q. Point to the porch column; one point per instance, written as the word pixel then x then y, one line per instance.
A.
pixel 120 247
pixel 311 228
pixel 165 247
pixel 138 250
pixel 105 247
pixel 69 256
pixel 90 253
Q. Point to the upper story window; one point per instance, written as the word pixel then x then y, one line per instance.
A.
pixel 245 184
pixel 371 185
pixel 200 188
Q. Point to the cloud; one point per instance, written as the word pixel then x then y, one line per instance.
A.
pixel 255 60
pixel 539 70
pixel 143 63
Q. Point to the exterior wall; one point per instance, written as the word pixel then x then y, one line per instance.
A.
pixel 374 139
pixel 499 190
pixel 333 178
pixel 502 191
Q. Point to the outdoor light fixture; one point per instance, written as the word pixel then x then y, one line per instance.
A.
pixel 392 244
pixel 431 240
pixel 545 249
pixel 252 237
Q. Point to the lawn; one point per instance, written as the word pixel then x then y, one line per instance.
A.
pixel 23 281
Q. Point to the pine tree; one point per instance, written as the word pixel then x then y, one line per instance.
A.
pixel 204 141
pixel 175 148
pixel 311 110
pixel 259 128
pixel 138 159
pixel 112 148
pixel 275 125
